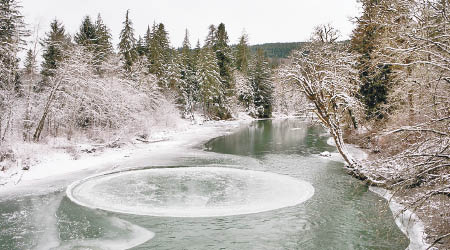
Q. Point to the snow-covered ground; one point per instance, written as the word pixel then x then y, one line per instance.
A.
pixel 58 164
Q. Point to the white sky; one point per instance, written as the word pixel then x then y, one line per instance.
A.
pixel 264 20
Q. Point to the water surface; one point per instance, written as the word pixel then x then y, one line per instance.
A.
pixel 342 214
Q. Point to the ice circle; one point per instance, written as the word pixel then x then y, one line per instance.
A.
pixel 190 192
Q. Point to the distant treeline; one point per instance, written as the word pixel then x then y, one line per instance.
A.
pixel 278 50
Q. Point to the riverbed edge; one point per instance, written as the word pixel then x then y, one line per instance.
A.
pixel 406 220
pixel 21 179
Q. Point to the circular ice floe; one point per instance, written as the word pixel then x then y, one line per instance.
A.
pixel 190 192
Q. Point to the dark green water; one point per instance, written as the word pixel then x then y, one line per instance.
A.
pixel 342 214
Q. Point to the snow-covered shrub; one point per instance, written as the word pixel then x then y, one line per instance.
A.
pixel 288 98
pixel 79 99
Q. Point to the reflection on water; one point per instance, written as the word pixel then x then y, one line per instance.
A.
pixel 265 137
pixel 342 214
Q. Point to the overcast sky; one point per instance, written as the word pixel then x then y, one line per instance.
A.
pixel 264 20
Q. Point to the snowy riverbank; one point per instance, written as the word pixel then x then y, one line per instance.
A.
pixel 408 222
pixel 60 165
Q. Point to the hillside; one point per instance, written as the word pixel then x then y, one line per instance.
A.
pixel 277 50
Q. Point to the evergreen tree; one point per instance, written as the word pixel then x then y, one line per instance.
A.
pixel 186 59
pixel 12 33
pixel 159 50
pixel 95 38
pixel 159 54
pixel 211 38
pixel 87 35
pixel 154 58
pixel 30 62
pixel 196 54
pixel 127 44
pixel 55 43
pixel 147 41
pixel 186 49
pixel 224 57
pixel 259 77
pixel 104 47
pixel 242 54
pixel 211 90
pixel 162 37
pixel 375 78
pixel 140 47
pixel 171 76
pixel 189 88
pixel 195 59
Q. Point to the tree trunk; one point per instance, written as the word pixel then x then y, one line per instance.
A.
pixel 40 127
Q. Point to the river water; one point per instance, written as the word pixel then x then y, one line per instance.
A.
pixel 287 197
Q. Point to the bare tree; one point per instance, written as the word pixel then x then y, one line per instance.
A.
pixel 325 33
pixel 325 74
pixel 78 98
pixel 288 97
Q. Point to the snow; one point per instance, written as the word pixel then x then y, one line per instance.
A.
pixel 407 221
pixel 60 164
pixel 356 152
pixel 325 154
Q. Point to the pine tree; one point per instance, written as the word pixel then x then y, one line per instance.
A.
pixel 140 47
pixel 171 76
pixel 211 89
pixel 154 58
pixel 160 54
pixel 259 77
pixel 211 38
pixel 159 50
pixel 87 35
pixel 55 43
pixel 95 38
pixel 375 77
pixel 189 88
pixel 148 41
pixel 224 58
pixel 195 60
pixel 196 54
pixel 242 54
pixel 162 37
pixel 186 59
pixel 30 62
pixel 104 47
pixel 186 49
pixel 127 44
pixel 12 33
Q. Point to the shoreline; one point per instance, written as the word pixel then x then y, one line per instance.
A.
pixel 408 222
pixel 59 169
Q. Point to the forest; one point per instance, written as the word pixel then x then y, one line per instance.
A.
pixel 386 90
pixel 277 50
pixel 72 89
